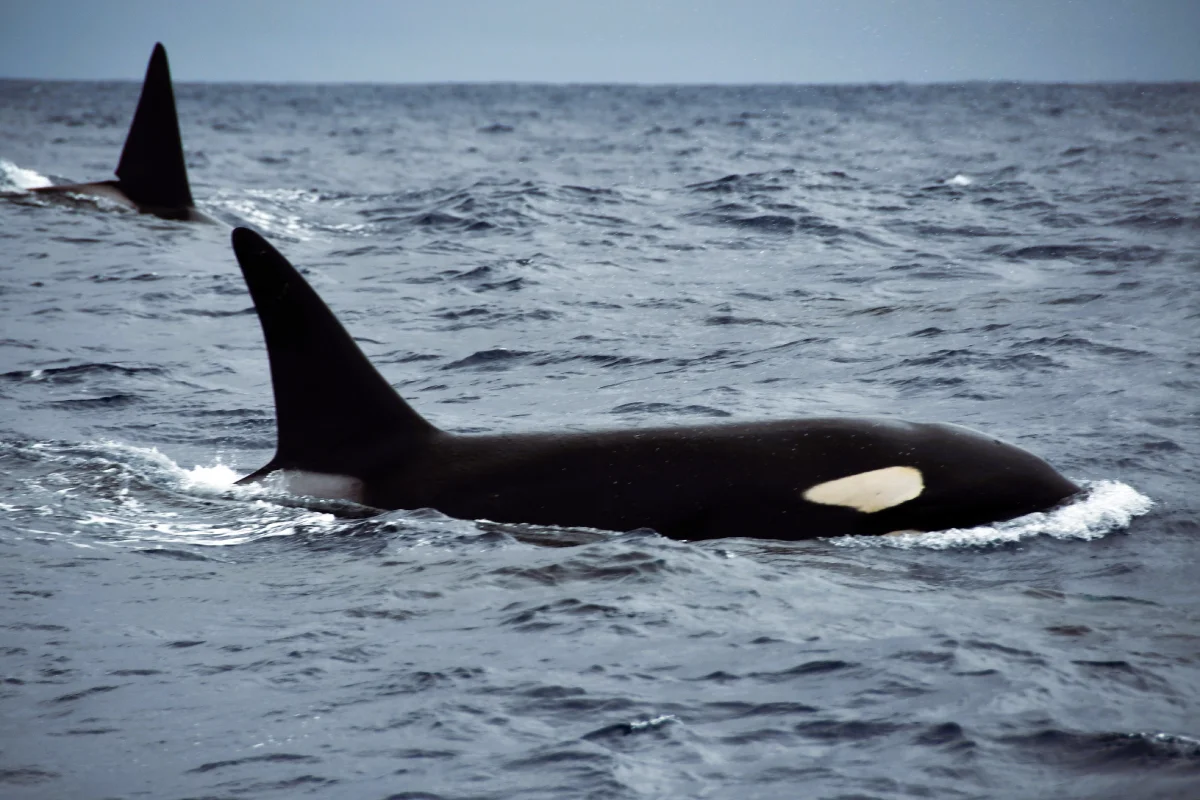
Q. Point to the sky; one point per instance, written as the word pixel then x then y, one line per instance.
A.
pixel 605 41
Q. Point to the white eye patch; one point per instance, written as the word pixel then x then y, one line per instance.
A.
pixel 869 492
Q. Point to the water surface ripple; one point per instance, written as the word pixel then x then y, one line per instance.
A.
pixel 1018 258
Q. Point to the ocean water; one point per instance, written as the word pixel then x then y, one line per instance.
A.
pixel 1022 259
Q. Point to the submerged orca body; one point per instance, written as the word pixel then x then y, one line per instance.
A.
pixel 343 432
pixel 152 174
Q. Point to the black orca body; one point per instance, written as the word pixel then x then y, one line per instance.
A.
pixel 343 432
pixel 152 174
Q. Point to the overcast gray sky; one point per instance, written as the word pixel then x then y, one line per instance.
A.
pixel 625 41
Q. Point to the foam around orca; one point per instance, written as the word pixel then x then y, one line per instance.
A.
pixel 152 173
pixel 343 432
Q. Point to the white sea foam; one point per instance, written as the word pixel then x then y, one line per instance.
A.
pixel 959 180
pixel 274 211
pixel 217 477
pixel 125 494
pixel 20 178
pixel 1106 506
pixel 648 724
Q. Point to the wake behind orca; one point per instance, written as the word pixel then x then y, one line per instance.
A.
pixel 344 433
pixel 152 173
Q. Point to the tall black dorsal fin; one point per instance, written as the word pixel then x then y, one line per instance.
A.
pixel 335 413
pixel 152 170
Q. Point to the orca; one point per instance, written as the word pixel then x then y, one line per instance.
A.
pixel 152 173
pixel 344 433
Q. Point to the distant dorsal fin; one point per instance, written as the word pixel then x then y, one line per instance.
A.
pixel 152 170
pixel 335 413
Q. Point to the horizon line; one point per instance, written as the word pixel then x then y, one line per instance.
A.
pixel 638 84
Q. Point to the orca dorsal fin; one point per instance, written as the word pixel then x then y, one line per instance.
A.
pixel 152 171
pixel 334 412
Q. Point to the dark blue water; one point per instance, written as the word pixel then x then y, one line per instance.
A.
pixel 1020 259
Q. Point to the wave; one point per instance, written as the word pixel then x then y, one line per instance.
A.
pixel 124 494
pixel 19 178
pixel 1105 507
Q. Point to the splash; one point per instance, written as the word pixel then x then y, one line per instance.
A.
pixel 1106 506
pixel 124 494
pixel 218 477
pixel 12 176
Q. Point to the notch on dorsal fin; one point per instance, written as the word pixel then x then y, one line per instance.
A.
pixel 152 171
pixel 335 413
